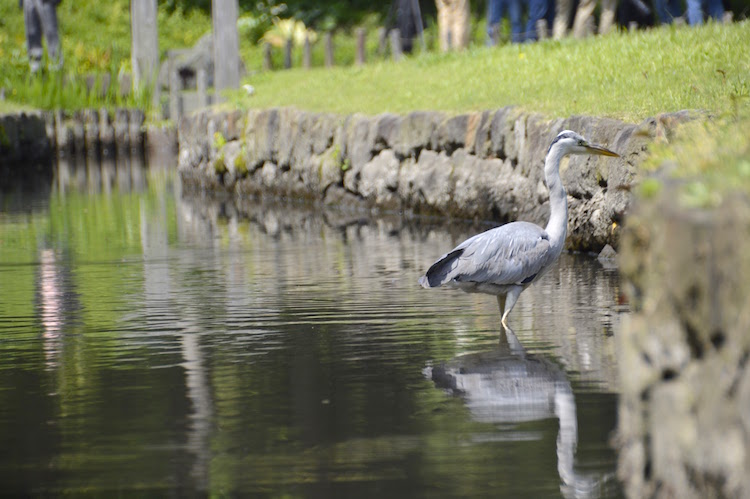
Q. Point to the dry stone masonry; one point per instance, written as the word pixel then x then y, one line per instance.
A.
pixel 483 165
pixel 684 411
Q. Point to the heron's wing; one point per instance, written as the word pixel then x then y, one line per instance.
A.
pixel 511 254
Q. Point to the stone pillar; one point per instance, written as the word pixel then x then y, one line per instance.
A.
pixel 226 44
pixel 145 44
pixel 683 353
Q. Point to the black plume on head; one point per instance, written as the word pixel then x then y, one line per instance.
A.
pixel 565 134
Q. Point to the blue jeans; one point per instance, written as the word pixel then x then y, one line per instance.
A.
pixel 714 8
pixel 667 10
pixel 538 9
pixel 495 10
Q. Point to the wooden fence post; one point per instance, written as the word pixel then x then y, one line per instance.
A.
pixel 267 64
pixel 288 54
pixel 382 41
pixel 306 54
pixel 360 34
pixel 396 50
pixel 541 29
pixel 174 88
pixel 202 87
pixel 329 49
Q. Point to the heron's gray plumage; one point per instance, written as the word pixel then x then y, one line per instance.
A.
pixel 505 256
pixel 505 260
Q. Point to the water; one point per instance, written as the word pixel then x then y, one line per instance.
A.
pixel 155 345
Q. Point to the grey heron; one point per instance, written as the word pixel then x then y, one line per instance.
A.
pixel 505 260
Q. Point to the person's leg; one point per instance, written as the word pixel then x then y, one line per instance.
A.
pixel 494 16
pixel 694 12
pixel 675 8
pixel 562 18
pixel 33 34
pixel 715 9
pixel 515 12
pixel 537 11
pixel 443 25
pixel 462 23
pixel 607 17
pixel 583 24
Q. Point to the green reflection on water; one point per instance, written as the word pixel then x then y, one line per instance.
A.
pixel 143 353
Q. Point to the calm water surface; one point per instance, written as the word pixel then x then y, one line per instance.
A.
pixel 151 344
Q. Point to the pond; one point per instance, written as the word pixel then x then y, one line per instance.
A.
pixel 153 343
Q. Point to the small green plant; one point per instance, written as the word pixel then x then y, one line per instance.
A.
pixel 220 166
pixel 219 140
pixel 649 188
pixel 240 163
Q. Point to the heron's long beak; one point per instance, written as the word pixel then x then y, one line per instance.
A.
pixel 602 151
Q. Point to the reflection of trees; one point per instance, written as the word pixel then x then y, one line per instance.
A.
pixel 506 385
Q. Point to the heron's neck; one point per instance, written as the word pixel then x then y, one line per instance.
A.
pixel 557 226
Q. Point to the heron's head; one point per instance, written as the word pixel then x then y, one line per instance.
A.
pixel 569 142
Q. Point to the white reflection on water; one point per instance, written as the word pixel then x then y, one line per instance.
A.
pixel 507 386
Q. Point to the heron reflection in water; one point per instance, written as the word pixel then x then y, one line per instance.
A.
pixel 505 260
pixel 507 385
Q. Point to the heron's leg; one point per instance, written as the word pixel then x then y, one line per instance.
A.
pixel 510 301
pixel 515 346
pixel 501 303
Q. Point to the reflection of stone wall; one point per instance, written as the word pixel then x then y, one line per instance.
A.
pixel 685 408
pixel 573 310
pixel 23 137
pixel 483 165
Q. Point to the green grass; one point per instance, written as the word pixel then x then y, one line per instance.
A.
pixel 95 39
pixel 711 157
pixel 623 75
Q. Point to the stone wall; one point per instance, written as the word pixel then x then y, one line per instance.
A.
pixel 684 416
pixel 33 137
pixel 484 165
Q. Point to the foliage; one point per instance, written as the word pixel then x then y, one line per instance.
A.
pixel 101 49
pixel 289 29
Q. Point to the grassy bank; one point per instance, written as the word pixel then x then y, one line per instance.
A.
pixel 95 39
pixel 623 75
